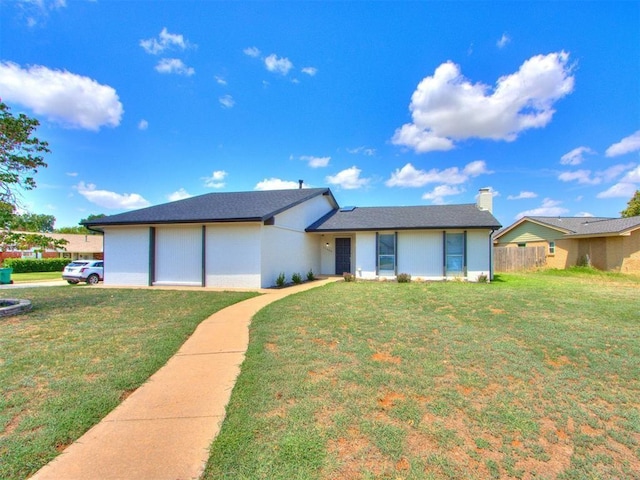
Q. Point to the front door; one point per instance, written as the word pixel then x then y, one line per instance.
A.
pixel 343 255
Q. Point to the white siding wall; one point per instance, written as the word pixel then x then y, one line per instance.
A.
pixel 420 254
pixel 178 255
pixel 478 254
pixel 233 255
pixel 126 255
pixel 287 248
pixel 365 255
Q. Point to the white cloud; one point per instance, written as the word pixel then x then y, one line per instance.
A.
pixel 437 194
pixel 349 179
pixel 227 101
pixel 369 152
pixel 626 188
pixel 619 190
pixel 586 177
pixel 581 176
pixel 72 174
pixel 216 180
pixel 277 184
pixel 107 199
pixel 522 195
pixel 220 80
pixel 174 65
pixel 549 208
pixel 632 176
pixel 278 65
pixel 143 124
pixel 316 162
pixel 584 214
pixel 165 41
pixel 311 71
pixel 180 194
pixel 409 176
pixel 575 156
pixel 70 99
pixel 446 107
pixel 503 41
pixel 252 52
pixel 37 11
pixel 626 145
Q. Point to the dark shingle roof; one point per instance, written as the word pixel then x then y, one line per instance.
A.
pixel 567 224
pixel 582 226
pixel 607 226
pixel 217 207
pixel 406 218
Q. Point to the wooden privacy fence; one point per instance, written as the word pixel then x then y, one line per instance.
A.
pixel 513 259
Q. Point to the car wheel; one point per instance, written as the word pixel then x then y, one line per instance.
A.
pixel 93 279
pixel 72 282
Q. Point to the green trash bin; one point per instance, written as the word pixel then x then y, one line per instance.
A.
pixel 5 275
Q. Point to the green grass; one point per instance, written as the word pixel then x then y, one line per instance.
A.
pixel 532 376
pixel 35 277
pixel 77 354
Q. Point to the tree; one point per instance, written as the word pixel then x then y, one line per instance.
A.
pixel 633 206
pixel 32 222
pixel 81 229
pixel 21 155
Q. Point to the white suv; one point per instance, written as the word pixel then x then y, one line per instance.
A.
pixel 90 271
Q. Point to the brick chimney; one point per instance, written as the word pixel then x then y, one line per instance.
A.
pixel 485 199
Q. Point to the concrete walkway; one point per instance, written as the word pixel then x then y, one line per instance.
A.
pixel 164 429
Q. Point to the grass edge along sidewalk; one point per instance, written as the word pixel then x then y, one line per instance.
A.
pixel 78 354
pixel 532 376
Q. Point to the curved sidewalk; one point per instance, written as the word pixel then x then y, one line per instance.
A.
pixel 164 429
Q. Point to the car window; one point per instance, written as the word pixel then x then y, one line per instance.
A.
pixel 77 264
pixel 99 264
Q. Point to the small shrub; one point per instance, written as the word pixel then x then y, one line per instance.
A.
pixel 296 278
pixel 310 275
pixel 280 280
pixel 483 278
pixel 349 277
pixel 404 278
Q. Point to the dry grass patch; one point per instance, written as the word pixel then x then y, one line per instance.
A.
pixel 534 376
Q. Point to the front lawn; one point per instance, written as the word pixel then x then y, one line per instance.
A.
pixel 532 376
pixel 71 360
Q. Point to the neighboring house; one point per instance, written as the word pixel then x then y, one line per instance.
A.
pixel 246 239
pixel 610 244
pixel 77 247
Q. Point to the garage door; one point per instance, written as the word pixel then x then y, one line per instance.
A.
pixel 178 256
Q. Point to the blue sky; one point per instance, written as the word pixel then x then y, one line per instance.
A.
pixel 386 103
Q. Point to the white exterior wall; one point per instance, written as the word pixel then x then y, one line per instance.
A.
pixel 233 255
pixel 287 248
pixel 420 254
pixel 178 255
pixel 479 247
pixel 126 254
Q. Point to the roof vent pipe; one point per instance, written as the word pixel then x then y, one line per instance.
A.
pixel 300 182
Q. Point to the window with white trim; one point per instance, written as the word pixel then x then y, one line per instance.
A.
pixel 386 254
pixel 552 248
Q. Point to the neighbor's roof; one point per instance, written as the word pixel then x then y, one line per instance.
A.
pixel 581 226
pixel 79 243
pixel 405 218
pixel 217 207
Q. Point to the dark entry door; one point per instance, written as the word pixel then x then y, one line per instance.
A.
pixel 343 255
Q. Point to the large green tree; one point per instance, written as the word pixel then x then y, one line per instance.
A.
pixel 81 228
pixel 21 155
pixel 633 206
pixel 33 222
